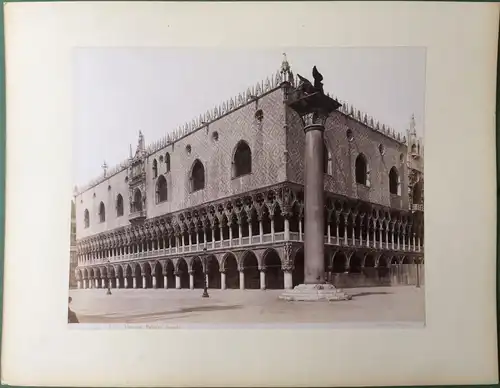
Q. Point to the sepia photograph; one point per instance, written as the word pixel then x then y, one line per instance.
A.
pixel 248 178
pixel 299 198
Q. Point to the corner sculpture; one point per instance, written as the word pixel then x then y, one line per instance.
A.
pixel 314 107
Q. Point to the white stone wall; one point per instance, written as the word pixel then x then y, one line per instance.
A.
pixel 267 142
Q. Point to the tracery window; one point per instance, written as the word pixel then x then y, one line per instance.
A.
pixel 161 189
pixel 197 176
pixel 119 205
pixel 242 160
pixel 361 167
pixel 394 183
pixel 86 218
pixel 102 212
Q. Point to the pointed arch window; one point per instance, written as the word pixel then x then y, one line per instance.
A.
pixel 119 205
pixel 242 159
pixel 161 189
pixel 394 182
pixel 137 204
pixel 86 218
pixel 102 212
pixel 197 177
pixel 361 167
pixel 327 160
pixel 417 193
pixel 167 162
pixel 155 168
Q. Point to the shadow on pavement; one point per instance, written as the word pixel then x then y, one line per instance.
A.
pixel 111 319
pixel 369 293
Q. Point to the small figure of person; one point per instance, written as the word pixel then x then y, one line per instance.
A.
pixel 72 318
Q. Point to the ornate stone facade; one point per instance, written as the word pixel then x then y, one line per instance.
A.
pixel 190 194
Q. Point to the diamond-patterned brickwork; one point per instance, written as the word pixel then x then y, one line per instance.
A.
pixel 344 152
pixel 277 145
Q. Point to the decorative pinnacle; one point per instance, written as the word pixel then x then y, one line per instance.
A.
pixel 285 66
pixel 104 167
pixel 413 130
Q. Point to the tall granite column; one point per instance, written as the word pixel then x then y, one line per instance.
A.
pixel 314 244
pixel 310 102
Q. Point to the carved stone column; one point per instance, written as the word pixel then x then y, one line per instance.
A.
pixel 134 280
pixel 262 278
pixel 242 278
pixel 222 280
pixel 125 282
pixel 314 107
pixel 117 282
pixel 154 281
pixel 191 280
pixel 177 280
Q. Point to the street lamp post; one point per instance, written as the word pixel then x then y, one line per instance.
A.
pixel 109 281
pixel 418 272
pixel 205 288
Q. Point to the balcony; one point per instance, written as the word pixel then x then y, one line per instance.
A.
pixel 417 207
pixel 259 241
pixel 137 216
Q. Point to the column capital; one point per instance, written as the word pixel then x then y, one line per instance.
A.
pixel 314 121
pixel 287 266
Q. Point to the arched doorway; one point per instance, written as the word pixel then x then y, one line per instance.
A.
pixel 112 277
pixel 339 263
pixel 138 276
pixel 232 274
pixel 383 270
pixel 128 275
pixel 355 263
pixel 213 272
pixel 298 268
pixel 251 270
pixel 119 277
pixel 182 268
pixel 274 273
pixel 198 276
pixel 169 270
pixel 148 276
pixel 158 274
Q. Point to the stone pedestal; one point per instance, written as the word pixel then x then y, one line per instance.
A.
pixel 314 292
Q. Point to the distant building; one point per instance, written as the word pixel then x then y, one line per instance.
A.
pixel 232 181
pixel 73 258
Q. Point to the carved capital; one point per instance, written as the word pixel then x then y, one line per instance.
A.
pixel 314 121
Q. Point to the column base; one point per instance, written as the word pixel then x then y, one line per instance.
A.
pixel 315 293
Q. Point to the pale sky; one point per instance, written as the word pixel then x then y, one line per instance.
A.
pixel 121 91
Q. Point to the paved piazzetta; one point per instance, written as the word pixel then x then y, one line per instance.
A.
pixel 368 304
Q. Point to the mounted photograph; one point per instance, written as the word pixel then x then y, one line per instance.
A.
pixel 236 187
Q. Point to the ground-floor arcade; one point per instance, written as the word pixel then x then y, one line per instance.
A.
pixel 280 267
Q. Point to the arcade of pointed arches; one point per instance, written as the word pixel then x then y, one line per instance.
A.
pixel 249 269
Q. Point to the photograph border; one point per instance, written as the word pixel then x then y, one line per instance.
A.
pixel 3 167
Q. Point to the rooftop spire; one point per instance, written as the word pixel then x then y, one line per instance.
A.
pixel 286 71
pixel 413 130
